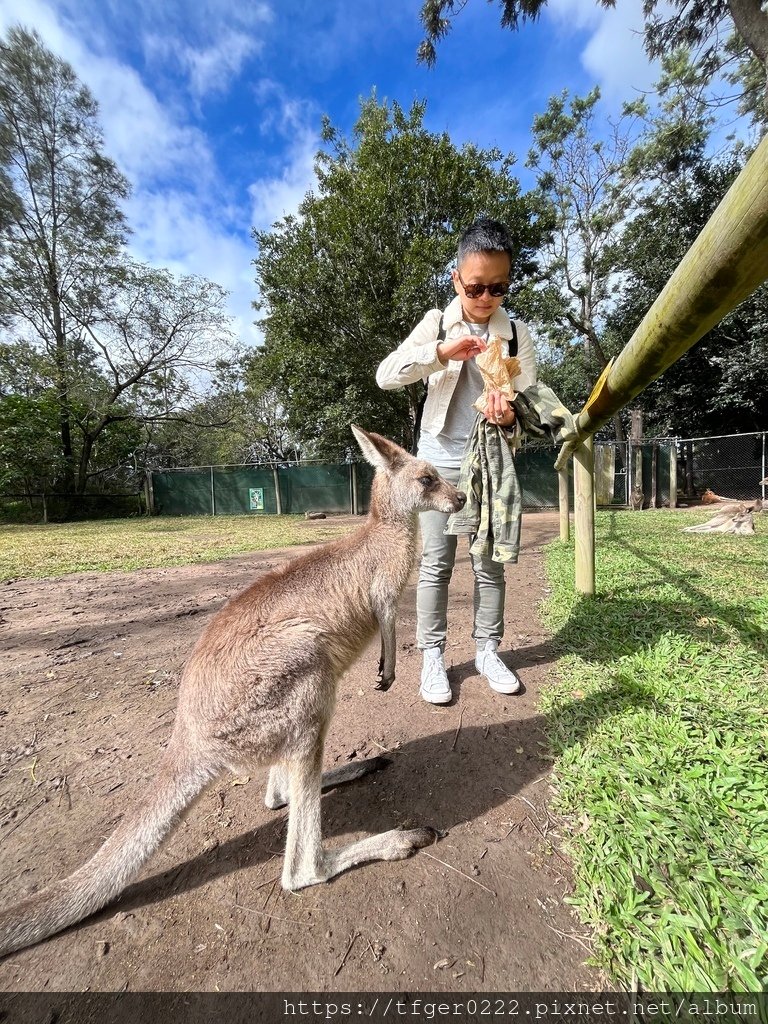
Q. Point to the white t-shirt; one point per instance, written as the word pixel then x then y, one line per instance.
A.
pixel 445 451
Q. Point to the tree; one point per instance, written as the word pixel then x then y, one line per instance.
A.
pixel 30 453
pixel 591 186
pixel 62 226
pixel 719 385
pixel 154 342
pixel 115 342
pixel 344 281
pixel 702 25
pixel 250 424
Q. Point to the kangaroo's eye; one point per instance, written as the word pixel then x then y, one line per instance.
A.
pixel 427 481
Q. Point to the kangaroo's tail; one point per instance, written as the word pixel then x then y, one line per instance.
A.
pixel 111 868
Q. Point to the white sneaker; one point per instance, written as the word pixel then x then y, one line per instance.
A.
pixel 489 664
pixel 435 687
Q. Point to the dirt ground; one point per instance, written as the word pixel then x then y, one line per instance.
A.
pixel 91 664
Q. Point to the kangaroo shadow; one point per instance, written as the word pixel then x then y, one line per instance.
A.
pixel 441 780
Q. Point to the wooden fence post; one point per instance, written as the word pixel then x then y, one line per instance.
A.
pixel 584 517
pixel 564 504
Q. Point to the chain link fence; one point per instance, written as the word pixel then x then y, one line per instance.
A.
pixel 668 471
pixel 732 466
pixel 58 508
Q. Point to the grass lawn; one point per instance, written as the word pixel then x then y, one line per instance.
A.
pixel 660 733
pixel 106 544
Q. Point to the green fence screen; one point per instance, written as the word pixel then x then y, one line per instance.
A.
pixel 310 487
pixel 259 490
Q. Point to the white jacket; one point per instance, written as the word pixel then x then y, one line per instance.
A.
pixel 416 359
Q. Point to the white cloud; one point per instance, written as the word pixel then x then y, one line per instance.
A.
pixel 181 210
pixel 141 135
pixel 275 195
pixel 213 68
pixel 614 55
pixel 171 229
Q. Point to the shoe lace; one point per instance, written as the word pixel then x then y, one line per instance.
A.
pixel 494 663
pixel 435 671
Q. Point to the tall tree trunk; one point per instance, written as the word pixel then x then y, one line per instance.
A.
pixel 62 388
pixel 594 347
pixel 751 20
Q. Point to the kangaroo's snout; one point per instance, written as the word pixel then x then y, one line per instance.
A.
pixel 461 500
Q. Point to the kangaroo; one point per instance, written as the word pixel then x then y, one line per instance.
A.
pixel 734 518
pixel 259 689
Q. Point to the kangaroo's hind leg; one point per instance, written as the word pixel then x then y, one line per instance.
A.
pixel 277 784
pixel 307 860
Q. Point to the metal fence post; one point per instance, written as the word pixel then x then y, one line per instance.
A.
pixel 150 493
pixel 762 479
pixel 278 499
pixel 213 495
pixel 654 473
pixel 353 480
pixel 673 475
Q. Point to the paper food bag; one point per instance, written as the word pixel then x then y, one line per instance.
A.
pixel 497 372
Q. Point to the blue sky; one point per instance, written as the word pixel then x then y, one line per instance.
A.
pixel 212 108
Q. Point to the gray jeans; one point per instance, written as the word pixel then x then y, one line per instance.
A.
pixel 437 560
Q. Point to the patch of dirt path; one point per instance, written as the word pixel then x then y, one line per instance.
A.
pixel 91 664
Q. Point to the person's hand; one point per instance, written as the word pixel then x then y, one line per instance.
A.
pixel 498 410
pixel 463 348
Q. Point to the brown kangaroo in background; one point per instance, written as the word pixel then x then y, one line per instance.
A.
pixel 259 689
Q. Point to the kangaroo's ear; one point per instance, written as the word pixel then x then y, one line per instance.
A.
pixel 381 453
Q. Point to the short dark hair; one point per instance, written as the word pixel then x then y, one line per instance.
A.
pixel 485 235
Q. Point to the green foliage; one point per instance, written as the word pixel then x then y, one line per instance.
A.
pixel 585 176
pixel 239 421
pixel 658 726
pixel 30 454
pixel 347 279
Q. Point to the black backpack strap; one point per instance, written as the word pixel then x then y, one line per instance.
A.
pixel 513 339
pixel 423 399
pixel 441 330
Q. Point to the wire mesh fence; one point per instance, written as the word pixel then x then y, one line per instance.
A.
pixel 54 507
pixel 732 466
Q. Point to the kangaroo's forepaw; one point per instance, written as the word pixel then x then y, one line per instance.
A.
pixel 384 683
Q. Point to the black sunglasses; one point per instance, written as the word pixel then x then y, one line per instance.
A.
pixel 474 291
